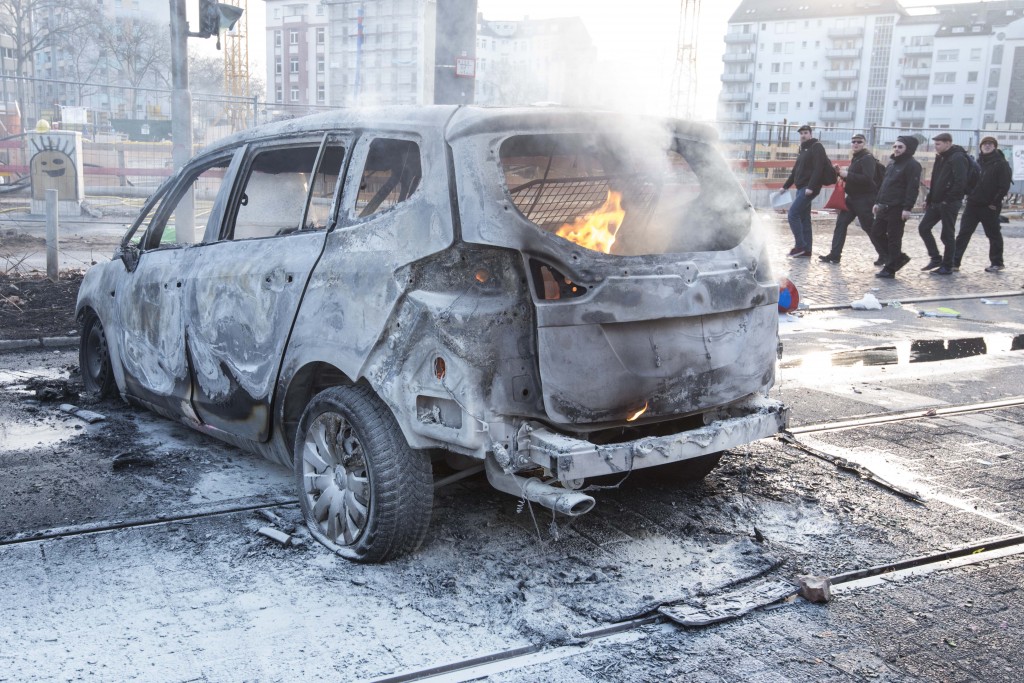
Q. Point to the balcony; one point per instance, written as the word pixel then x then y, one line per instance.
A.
pixel 913 94
pixel 736 38
pixel 846 32
pixel 839 95
pixel 917 50
pixel 737 57
pixel 911 71
pixel 843 53
pixel 737 78
pixel 836 116
pixel 734 97
pixel 840 74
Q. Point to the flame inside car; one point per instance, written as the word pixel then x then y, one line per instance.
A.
pixel 596 230
pixel 638 413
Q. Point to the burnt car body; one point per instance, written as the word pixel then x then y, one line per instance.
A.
pixel 544 291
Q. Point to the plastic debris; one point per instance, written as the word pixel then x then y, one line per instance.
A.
pixel 995 302
pixel 82 413
pixel 942 312
pixel 895 304
pixel 868 303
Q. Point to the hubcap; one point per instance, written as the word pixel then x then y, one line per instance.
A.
pixel 335 479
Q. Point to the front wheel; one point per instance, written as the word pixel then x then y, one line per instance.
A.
pixel 94 358
pixel 364 492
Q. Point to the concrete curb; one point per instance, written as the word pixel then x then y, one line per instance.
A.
pixel 37 343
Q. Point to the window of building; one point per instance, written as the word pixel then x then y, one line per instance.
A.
pixel 321 33
pixel 277 65
pixel 320 66
pixel 294 65
pixel 295 94
pixel 945 77
pixel 321 92
pixel 278 94
pixel 968 99
pixel 942 100
pixel 783 107
pixel 993 78
pixel 972 76
pixel 785 87
pixel 975 54
pixel 293 37
pixel 990 100
pixel 771 107
pixel 277 39
pixel 947 55
pixel 773 87
pixel 997 54
pixel 787 68
pixel 776 68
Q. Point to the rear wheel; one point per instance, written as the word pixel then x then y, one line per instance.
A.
pixel 94 358
pixel 364 492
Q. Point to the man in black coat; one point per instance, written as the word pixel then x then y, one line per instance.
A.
pixel 984 202
pixel 860 188
pixel 808 173
pixel 945 196
pixel 895 200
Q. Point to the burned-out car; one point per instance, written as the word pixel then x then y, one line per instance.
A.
pixel 548 295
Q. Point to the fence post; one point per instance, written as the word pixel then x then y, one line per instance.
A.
pixel 122 179
pixel 751 165
pixel 255 110
pixel 52 265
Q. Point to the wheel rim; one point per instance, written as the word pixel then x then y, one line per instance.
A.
pixel 335 479
pixel 96 359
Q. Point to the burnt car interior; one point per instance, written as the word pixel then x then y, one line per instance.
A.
pixel 391 174
pixel 626 202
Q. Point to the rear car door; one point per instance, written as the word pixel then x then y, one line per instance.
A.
pixel 250 277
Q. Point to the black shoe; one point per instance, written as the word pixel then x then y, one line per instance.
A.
pixel 886 273
pixel 943 270
pixel 829 258
pixel 794 251
pixel 802 253
pixel 881 261
pixel 933 264
pixel 902 261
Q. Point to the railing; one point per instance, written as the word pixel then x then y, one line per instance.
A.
pixel 733 38
pixel 730 57
pixel 842 52
pixel 838 95
pixel 737 78
pixel 840 74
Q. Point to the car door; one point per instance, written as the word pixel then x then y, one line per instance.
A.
pixel 150 300
pixel 249 278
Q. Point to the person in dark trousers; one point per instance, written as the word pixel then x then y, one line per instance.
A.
pixel 860 188
pixel 807 174
pixel 984 202
pixel 945 196
pixel 895 200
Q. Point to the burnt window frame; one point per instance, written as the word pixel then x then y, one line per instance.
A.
pixel 346 215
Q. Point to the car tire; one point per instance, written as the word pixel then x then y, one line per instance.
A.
pixel 94 358
pixel 364 493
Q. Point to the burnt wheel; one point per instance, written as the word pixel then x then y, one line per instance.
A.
pixel 364 492
pixel 94 358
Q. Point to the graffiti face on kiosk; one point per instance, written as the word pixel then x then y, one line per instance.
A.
pixel 53 168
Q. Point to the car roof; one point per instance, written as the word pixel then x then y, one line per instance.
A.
pixel 460 121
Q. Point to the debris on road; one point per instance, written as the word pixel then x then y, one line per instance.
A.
pixel 128 459
pixel 277 535
pixel 868 303
pixel 815 588
pixel 731 605
pixel 995 302
pixel 87 415
pixel 941 312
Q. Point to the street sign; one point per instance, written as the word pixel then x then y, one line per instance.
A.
pixel 465 67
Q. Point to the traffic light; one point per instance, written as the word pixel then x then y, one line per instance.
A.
pixel 215 17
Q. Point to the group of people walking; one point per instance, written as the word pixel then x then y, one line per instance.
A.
pixel 881 199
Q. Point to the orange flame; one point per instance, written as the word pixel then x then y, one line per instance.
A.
pixel 596 230
pixel 637 413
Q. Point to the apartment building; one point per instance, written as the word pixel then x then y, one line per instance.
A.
pixel 297 53
pixel 530 61
pixel 860 63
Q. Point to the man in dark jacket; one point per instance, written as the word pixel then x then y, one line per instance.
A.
pixel 807 174
pixel 945 196
pixel 860 188
pixel 984 203
pixel 895 200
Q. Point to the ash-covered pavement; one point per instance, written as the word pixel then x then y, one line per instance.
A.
pixel 207 598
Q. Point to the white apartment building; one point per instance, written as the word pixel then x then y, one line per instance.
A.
pixel 862 63
pixel 297 53
pixel 530 61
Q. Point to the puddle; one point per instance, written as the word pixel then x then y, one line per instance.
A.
pixel 15 437
pixel 911 351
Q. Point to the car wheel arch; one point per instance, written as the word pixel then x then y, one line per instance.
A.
pixel 300 388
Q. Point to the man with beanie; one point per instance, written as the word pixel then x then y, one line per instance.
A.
pixel 945 196
pixel 983 204
pixel 895 200
pixel 860 188
pixel 807 174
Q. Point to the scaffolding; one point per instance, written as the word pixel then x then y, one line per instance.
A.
pixel 684 77
pixel 236 68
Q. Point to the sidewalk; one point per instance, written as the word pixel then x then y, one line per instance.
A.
pixel 825 284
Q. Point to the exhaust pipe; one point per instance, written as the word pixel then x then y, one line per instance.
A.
pixel 569 503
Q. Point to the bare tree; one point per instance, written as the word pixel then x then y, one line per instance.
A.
pixel 30 25
pixel 80 48
pixel 140 52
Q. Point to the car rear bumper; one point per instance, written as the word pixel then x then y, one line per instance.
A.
pixel 570 458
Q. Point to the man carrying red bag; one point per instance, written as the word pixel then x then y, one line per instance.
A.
pixel 860 183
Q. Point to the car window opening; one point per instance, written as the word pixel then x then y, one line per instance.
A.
pixel 391 175
pixel 274 197
pixel 598 194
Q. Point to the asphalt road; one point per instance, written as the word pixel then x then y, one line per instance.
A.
pixel 130 548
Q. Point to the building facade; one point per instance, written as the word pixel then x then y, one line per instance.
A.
pixel 864 63
pixel 297 53
pixel 530 61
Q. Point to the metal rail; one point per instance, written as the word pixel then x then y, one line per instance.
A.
pixel 867 420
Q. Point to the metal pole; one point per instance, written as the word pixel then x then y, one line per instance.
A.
pixel 751 166
pixel 52 218
pixel 181 116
